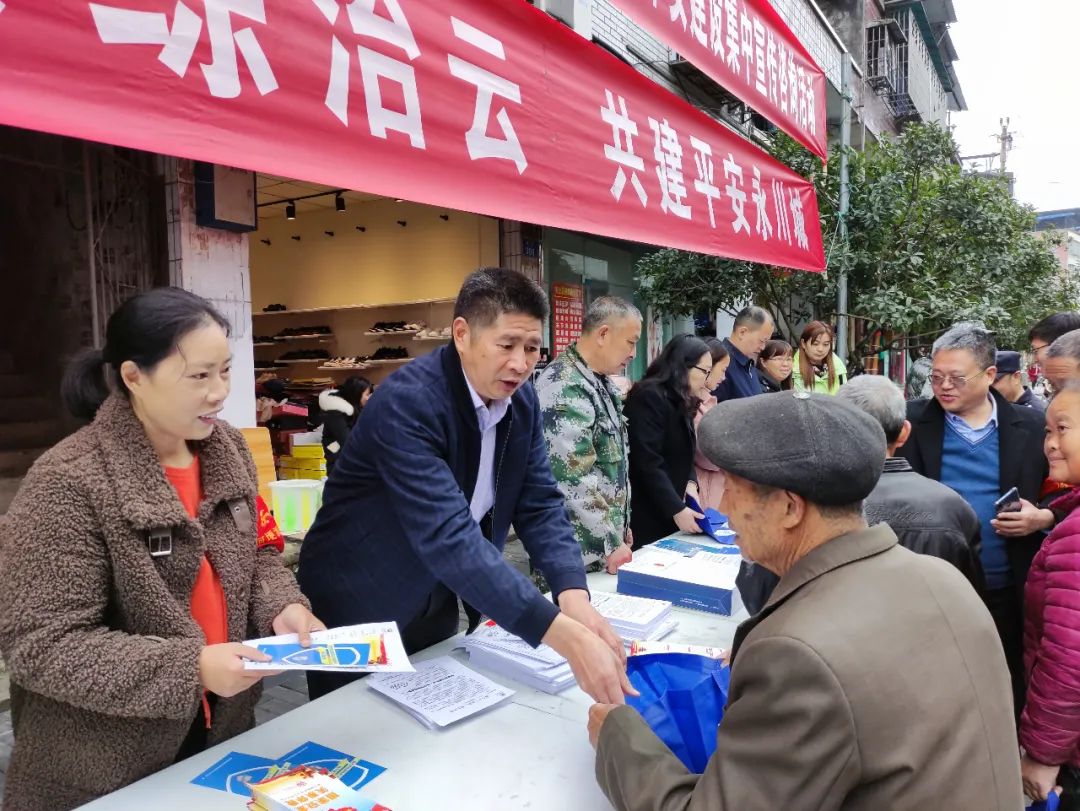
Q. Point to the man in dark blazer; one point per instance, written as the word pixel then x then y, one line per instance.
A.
pixel 975 441
pixel 873 678
pixel 450 452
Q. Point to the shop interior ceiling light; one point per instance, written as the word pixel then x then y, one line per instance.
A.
pixel 361 228
pixel 444 217
pixel 296 237
pixel 329 233
pixel 265 242
pixel 402 223
pixel 339 202
pixel 290 211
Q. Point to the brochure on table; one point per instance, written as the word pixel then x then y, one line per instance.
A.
pixel 370 648
pixel 441 692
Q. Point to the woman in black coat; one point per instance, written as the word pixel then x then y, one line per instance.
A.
pixel 341 409
pixel 659 411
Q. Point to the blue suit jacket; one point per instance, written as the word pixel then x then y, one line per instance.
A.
pixel 395 520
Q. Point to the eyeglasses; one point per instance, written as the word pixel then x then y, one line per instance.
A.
pixel 957 381
pixel 706 372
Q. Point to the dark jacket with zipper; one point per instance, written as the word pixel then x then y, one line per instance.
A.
pixel 395 528
pixel 662 446
pixel 1022 463
pixel 928 518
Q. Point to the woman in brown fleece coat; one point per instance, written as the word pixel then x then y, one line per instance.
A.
pixel 111 567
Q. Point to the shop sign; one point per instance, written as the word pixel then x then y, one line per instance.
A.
pixel 745 47
pixel 567 310
pixel 488 107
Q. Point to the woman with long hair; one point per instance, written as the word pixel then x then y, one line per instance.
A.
pixel 776 363
pixel 710 479
pixel 132 567
pixel 341 409
pixel 660 410
pixel 817 367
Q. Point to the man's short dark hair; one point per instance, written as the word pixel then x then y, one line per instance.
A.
pixel 490 292
pixel 1054 326
pixel 752 317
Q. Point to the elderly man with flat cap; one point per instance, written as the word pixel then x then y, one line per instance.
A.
pixel 873 678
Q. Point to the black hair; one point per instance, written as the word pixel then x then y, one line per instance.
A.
pixel 490 292
pixel 145 329
pixel 753 317
pixel 716 349
pixel 352 390
pixel 671 369
pixel 1054 326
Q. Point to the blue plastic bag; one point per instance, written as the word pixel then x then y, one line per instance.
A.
pixel 682 700
pixel 713 522
pixel 1049 804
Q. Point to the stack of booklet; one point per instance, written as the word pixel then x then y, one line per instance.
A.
pixel 501 652
pixel 496 649
pixel 635 618
pixel 690 575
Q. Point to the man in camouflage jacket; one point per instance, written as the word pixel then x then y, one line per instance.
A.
pixel 586 431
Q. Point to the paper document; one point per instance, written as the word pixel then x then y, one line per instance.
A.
pixel 441 692
pixel 371 648
pixel 645 648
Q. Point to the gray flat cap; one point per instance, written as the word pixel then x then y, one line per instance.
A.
pixel 821 448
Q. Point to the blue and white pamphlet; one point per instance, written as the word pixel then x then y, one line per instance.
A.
pixel 370 648
pixel 687 574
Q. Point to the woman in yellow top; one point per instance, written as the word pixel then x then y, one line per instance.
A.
pixel 817 367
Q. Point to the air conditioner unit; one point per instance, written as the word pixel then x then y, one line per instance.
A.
pixel 576 14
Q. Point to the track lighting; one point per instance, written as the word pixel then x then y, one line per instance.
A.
pixel 329 233
pixel 444 217
pixel 399 200
pixel 296 237
pixel 265 242
pixel 290 210
pixel 361 228
pixel 402 223
pixel 339 202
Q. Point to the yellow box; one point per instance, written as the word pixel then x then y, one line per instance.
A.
pixel 309 451
pixel 302 463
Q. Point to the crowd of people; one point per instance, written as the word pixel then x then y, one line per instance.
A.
pixel 911 567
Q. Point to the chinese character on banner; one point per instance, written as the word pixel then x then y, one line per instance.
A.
pixel 799 220
pixel 783 227
pixel 762 225
pixel 668 153
pixel 488 85
pixel 781 70
pixel 732 9
pixel 734 175
pixel 746 43
pixel 375 66
pixel 120 26
pixel 705 171
pixel 678 12
pixel 759 57
pixel 699 21
pixel 623 130
pixel 716 24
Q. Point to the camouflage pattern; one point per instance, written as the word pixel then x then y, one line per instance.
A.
pixel 588 445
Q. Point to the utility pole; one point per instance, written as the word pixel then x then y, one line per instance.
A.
pixel 846 96
pixel 1006 139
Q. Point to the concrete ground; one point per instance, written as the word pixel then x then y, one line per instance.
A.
pixel 281 694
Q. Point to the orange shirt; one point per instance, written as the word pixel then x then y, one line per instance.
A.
pixel 208 606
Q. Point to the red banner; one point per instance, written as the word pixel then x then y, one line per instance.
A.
pixel 567 311
pixel 748 49
pixel 487 106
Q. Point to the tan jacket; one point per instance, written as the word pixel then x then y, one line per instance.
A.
pixel 97 634
pixel 873 679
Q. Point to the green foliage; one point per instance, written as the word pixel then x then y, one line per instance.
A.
pixel 928 246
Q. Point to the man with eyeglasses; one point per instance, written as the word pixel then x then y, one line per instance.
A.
pixel 972 439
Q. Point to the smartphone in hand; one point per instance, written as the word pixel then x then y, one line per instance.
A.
pixel 1008 503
